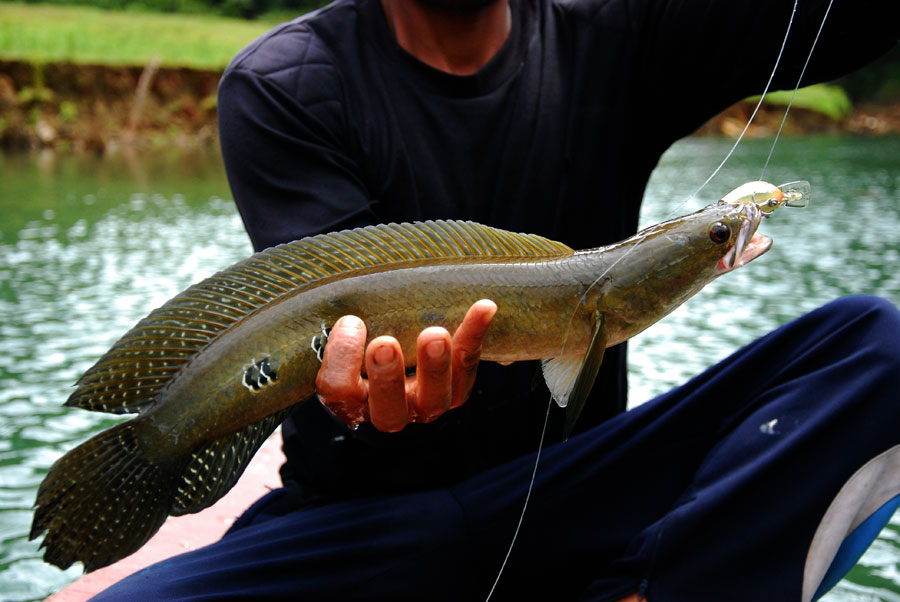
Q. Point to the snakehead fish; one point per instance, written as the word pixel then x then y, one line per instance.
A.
pixel 213 371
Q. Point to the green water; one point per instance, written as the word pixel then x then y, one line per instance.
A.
pixel 89 246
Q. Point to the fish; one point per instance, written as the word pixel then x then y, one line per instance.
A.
pixel 212 372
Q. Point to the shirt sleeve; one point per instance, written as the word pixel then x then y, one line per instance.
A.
pixel 286 158
pixel 697 57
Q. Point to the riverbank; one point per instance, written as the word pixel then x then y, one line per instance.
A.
pixel 100 108
pixel 861 120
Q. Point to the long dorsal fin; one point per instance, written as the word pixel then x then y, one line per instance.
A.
pixel 129 376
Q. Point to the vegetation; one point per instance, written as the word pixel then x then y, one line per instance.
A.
pixel 826 99
pixel 246 9
pixel 71 75
pixel 47 33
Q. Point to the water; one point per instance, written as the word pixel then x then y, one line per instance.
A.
pixel 89 246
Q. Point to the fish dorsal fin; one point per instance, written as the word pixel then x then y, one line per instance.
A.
pixel 215 467
pixel 131 374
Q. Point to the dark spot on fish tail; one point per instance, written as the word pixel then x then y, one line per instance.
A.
pixel 259 374
pixel 336 302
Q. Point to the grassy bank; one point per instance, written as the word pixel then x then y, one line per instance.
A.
pixel 70 75
pixel 76 34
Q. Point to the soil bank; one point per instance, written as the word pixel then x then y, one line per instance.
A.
pixel 101 108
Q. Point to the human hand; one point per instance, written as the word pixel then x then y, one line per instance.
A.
pixel 445 371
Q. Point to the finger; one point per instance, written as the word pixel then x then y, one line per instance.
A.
pixel 467 348
pixel 434 385
pixel 338 383
pixel 387 379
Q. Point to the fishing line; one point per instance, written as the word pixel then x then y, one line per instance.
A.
pixel 740 137
pixel 796 87
pixel 525 504
pixel 755 110
pixel 623 256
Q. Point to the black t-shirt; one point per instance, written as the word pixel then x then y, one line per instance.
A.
pixel 326 123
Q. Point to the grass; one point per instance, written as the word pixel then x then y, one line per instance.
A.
pixel 823 98
pixel 827 99
pixel 45 33
pixel 42 33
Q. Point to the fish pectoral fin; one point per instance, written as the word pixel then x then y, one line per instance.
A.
pixel 215 467
pixel 560 374
pixel 587 374
pixel 571 377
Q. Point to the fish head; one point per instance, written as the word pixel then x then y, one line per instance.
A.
pixel 703 245
pixel 737 232
pixel 670 262
pixel 752 201
pixel 661 267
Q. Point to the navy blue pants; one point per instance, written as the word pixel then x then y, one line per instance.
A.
pixel 713 491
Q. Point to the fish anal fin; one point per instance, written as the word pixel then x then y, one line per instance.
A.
pixel 215 467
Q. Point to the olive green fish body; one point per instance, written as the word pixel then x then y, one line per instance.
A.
pixel 269 362
pixel 213 371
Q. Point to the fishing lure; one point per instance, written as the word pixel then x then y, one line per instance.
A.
pixel 767 197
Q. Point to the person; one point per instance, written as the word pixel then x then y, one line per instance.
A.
pixel 541 116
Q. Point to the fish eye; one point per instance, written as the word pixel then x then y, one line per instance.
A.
pixel 719 232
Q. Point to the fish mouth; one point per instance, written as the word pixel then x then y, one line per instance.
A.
pixel 749 243
pixel 756 246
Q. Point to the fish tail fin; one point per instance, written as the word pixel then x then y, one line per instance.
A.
pixel 102 500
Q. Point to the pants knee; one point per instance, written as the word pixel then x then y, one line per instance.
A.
pixel 875 318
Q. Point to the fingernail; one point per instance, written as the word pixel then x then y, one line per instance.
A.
pixel 435 349
pixel 349 322
pixel 384 355
pixel 489 315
